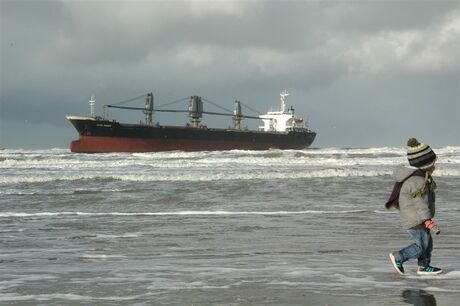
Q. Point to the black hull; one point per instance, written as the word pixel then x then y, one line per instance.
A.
pixel 112 136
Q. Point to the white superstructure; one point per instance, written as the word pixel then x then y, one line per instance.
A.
pixel 282 120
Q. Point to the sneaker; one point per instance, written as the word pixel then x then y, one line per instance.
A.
pixel 397 264
pixel 428 270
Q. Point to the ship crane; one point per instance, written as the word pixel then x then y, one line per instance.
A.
pixel 280 121
pixel 148 108
pixel 195 110
pixel 237 115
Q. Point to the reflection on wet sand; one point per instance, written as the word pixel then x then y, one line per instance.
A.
pixel 418 297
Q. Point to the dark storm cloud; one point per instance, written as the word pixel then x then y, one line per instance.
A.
pixel 352 66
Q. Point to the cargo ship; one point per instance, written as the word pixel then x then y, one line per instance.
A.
pixel 280 129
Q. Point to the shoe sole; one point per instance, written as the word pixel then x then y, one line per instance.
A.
pixel 393 262
pixel 429 273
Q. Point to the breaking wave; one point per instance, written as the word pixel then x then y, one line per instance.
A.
pixel 22 166
pixel 214 176
pixel 176 213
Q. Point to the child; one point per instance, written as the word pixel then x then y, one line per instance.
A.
pixel 414 196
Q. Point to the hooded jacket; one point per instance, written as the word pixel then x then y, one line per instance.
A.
pixel 416 199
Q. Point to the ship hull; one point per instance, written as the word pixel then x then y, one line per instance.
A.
pixel 102 136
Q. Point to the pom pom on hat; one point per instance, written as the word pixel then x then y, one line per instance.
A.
pixel 419 154
pixel 413 142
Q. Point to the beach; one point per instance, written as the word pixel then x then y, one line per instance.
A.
pixel 294 227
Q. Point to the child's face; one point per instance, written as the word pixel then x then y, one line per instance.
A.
pixel 431 170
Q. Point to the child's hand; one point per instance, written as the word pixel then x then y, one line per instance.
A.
pixel 429 224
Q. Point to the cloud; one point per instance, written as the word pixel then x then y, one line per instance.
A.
pixel 342 61
pixel 424 50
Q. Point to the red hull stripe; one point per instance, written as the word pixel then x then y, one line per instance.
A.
pixel 96 144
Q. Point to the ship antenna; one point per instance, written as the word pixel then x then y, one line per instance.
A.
pixel 92 102
pixel 283 98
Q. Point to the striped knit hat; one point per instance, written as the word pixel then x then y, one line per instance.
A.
pixel 420 155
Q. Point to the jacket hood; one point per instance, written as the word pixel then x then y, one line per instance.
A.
pixel 402 173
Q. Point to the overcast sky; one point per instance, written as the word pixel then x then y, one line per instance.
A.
pixel 364 73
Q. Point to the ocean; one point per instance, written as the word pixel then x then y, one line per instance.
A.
pixel 294 227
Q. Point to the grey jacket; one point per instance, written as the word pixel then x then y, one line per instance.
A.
pixel 414 210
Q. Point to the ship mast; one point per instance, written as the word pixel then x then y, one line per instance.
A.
pixel 283 97
pixel 92 102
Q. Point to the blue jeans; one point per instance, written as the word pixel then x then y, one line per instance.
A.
pixel 420 249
